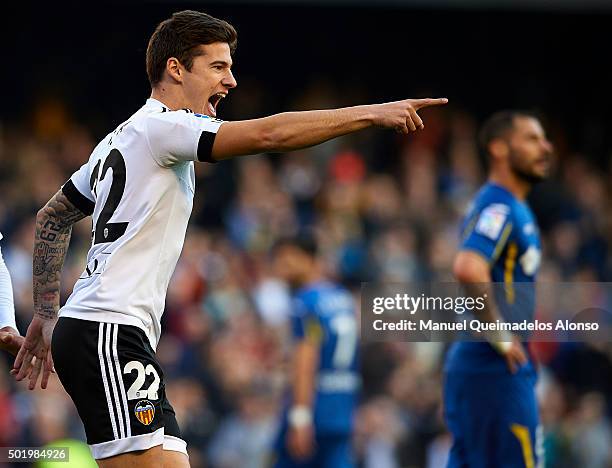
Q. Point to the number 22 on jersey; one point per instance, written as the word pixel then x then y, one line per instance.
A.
pixel 105 231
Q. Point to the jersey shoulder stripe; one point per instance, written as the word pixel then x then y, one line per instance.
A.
pixel 77 198
pixel 205 145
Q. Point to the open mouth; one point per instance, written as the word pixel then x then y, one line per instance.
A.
pixel 213 102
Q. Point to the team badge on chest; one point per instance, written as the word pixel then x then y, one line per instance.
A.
pixel 145 412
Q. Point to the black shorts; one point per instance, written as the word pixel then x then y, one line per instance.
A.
pixel 111 374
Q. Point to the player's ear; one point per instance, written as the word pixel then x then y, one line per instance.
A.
pixel 498 148
pixel 174 69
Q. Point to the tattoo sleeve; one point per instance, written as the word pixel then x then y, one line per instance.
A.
pixel 53 229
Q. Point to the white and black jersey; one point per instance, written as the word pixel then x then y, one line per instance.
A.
pixel 7 308
pixel 138 185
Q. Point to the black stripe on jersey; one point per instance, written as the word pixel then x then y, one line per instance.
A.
pixel 205 146
pixel 77 198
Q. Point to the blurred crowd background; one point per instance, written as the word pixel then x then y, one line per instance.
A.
pixel 385 207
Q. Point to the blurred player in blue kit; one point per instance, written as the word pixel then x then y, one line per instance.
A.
pixel 318 420
pixel 490 403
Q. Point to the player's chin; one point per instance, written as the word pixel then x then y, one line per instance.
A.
pixel 537 171
pixel 539 175
pixel 206 108
pixel 542 171
pixel 207 111
pixel 210 107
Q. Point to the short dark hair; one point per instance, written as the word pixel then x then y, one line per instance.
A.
pixel 304 241
pixel 180 37
pixel 498 125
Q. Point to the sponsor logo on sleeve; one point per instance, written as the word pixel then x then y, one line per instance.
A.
pixel 492 220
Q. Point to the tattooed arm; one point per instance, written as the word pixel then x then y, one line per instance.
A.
pixel 53 229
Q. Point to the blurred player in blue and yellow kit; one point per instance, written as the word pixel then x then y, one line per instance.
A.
pixel 489 396
pixel 318 419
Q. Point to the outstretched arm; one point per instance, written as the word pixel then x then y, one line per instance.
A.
pixel 53 229
pixel 294 130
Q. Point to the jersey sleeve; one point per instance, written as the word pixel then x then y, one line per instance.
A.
pixel 78 190
pixel 488 231
pixel 180 136
pixel 7 308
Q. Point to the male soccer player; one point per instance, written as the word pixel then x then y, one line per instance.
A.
pixel 317 424
pixel 10 340
pixel 138 186
pixel 490 403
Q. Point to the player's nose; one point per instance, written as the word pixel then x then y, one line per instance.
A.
pixel 230 81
